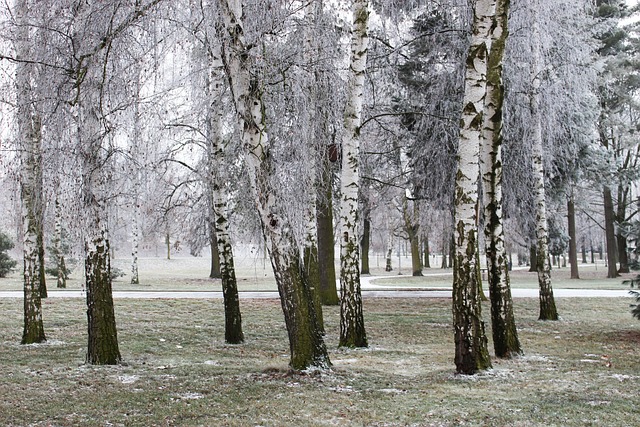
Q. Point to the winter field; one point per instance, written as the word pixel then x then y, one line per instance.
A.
pixel 582 370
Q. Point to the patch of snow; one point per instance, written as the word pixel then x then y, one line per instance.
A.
pixel 621 377
pixel 190 396
pixel 212 363
pixel 598 402
pixel 48 343
pixel 345 361
pixel 342 389
pixel 534 358
pixel 392 390
pixel 589 361
pixel 128 379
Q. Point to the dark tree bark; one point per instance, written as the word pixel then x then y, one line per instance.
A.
pixel 621 239
pixel 416 259
pixel 584 253
pixel 215 253
pixel 312 273
pixel 533 256
pixel 610 234
pixel 364 244
pixel 573 247
pixel 326 244
pixel 425 251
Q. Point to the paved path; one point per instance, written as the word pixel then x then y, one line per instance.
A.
pixel 367 293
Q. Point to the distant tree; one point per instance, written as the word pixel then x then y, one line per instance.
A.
pixel 7 264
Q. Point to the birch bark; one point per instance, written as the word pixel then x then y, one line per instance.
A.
pixel 471 353
pixel 217 167
pixel 352 330
pixel 30 138
pixel 547 302
pixel 137 183
pixel 61 268
pixel 505 334
pixel 102 346
pixel 305 337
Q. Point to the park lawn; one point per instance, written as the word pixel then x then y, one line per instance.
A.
pixel 186 273
pixel 177 371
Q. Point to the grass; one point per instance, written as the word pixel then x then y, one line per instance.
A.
pixel 580 371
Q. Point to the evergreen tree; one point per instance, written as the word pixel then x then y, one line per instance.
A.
pixel 7 264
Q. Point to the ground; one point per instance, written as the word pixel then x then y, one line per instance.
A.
pixel 582 370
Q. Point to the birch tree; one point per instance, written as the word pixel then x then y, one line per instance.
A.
pixel 30 136
pixel 505 334
pixel 352 330
pixel 217 166
pixel 548 309
pixel 305 338
pixel 471 354
pixel 92 26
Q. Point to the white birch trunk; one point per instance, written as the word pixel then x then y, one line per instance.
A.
pixel 102 348
pixel 352 331
pixel 471 352
pixel 137 184
pixel 217 179
pixel 305 337
pixel 547 303
pixel 505 336
pixel 61 269
pixel 30 139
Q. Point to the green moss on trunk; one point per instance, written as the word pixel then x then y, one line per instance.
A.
pixel 102 334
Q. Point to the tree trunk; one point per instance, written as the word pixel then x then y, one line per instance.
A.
pixel 30 142
pixel 584 253
pixel 326 244
pixel 533 256
pixel 388 266
pixel 167 241
pixel 221 248
pixel 352 331
pixel 411 227
pixel 425 250
pixel 102 346
pixel 364 244
pixel 445 250
pixel 505 335
pixel 61 268
pixel 471 352
pixel 573 243
pixel 305 336
pixel 215 272
pixel 621 239
pixel 547 302
pixel 137 182
pixel 610 234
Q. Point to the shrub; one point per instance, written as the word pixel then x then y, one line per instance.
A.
pixel 632 231
pixel 7 264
